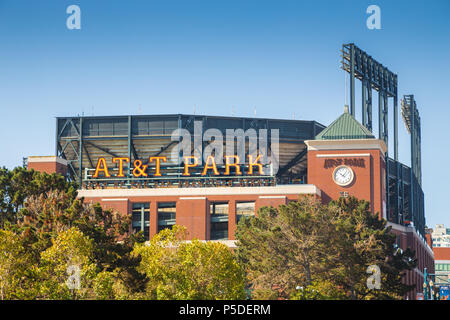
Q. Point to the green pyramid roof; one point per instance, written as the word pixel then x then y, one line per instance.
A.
pixel 345 127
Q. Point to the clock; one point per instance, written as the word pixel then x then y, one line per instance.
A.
pixel 343 175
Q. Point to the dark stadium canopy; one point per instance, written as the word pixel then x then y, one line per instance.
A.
pixel 82 140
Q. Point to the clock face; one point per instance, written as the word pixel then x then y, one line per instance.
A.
pixel 343 175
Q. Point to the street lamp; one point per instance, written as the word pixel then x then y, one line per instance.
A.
pixel 432 289
pixel 425 284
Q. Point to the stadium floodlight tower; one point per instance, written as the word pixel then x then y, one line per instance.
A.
pixel 373 75
pixel 411 118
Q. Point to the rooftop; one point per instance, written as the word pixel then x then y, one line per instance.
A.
pixel 346 127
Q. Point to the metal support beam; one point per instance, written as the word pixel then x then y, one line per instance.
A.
pixel 88 156
pixel 167 146
pixel 105 150
pixel 80 154
pixel 366 91
pixel 396 126
pixel 293 162
pixel 385 121
pixel 129 146
pixel 373 75
pixel 352 80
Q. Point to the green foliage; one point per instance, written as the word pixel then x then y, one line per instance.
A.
pixel 104 285
pixel 70 248
pixel 367 241
pixel 39 208
pixel 20 183
pixel 281 249
pixel 319 290
pixel 189 270
pixel 326 249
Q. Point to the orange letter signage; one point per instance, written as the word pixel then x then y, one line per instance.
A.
pixel 187 165
pixel 101 166
pixel 210 166
pixel 121 160
pixel 252 163
pixel 139 169
pixel 235 164
pixel 158 159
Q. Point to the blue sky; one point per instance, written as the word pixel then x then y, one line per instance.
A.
pixel 281 57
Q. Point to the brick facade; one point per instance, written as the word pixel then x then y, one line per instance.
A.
pixel 47 164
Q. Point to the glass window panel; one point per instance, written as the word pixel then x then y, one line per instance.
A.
pixel 141 218
pixel 219 208
pixel 166 215
pixel 219 221
pixel 244 209
pixel 219 231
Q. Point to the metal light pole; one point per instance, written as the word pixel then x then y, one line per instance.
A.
pixel 432 289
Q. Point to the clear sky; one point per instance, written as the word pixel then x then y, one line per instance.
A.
pixel 280 57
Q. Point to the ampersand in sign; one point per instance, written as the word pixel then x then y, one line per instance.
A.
pixel 139 169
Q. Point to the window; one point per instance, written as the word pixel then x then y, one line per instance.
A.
pixel 219 220
pixel 141 218
pixel 244 209
pixel 166 215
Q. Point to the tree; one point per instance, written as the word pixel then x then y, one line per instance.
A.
pixel 366 241
pixel 326 249
pixel 38 206
pixel 177 269
pixel 48 214
pixel 285 248
pixel 19 184
pixel 70 250
pixel 15 267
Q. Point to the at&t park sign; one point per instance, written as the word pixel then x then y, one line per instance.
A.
pixel 246 153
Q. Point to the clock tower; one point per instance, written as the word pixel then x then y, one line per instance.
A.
pixel 345 159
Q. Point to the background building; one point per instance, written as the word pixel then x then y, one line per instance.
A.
pixel 441 248
pixel 441 236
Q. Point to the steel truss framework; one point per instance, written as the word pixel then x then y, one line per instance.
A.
pixel 373 75
pixel 411 117
pixel 405 198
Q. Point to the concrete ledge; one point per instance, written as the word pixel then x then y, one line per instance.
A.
pixel 161 192
pixel 350 144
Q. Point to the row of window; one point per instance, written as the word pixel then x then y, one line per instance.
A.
pixel 167 217
pixel 443 239
pixel 442 267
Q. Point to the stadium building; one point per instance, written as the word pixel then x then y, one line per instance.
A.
pixel 132 164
